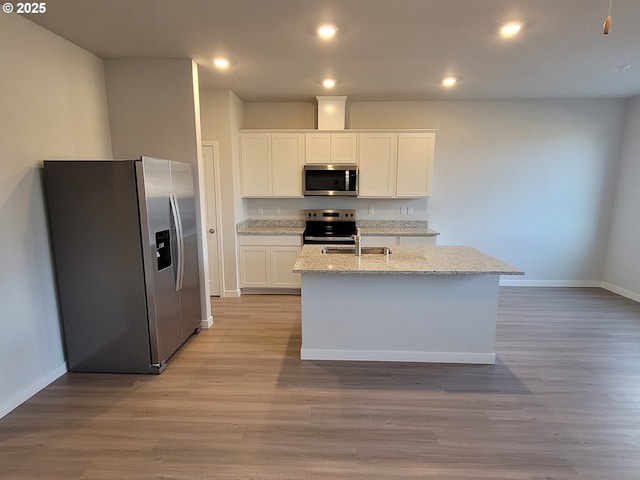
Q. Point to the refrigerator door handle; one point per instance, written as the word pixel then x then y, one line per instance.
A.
pixel 177 220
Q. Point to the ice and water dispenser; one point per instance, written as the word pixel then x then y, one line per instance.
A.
pixel 163 249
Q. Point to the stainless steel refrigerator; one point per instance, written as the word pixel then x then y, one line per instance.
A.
pixel 123 234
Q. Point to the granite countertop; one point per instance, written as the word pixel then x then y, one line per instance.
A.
pixel 271 227
pixel 425 260
pixel 398 231
pixel 367 228
pixel 407 228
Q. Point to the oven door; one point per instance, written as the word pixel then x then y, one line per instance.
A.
pixel 330 233
pixel 327 240
pixel 330 180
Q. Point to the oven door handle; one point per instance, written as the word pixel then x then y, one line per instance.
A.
pixel 327 238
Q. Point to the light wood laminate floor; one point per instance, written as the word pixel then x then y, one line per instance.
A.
pixel 562 402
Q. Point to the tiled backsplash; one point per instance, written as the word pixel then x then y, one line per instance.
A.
pixel 273 222
pixel 366 209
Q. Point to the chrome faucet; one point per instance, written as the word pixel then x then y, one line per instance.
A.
pixel 357 238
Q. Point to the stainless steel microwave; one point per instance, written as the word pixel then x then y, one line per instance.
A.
pixel 330 180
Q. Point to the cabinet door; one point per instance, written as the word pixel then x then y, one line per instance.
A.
pixel 377 164
pixel 430 240
pixel 344 148
pixel 318 148
pixel 255 270
pixel 255 164
pixel 282 261
pixel 287 159
pixel 415 164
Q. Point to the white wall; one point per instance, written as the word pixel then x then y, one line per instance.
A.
pixel 622 273
pixel 280 115
pixel 52 106
pixel 530 182
pixel 221 112
pixel 154 111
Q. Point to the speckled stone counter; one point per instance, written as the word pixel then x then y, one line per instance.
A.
pixel 271 227
pixel 396 228
pixel 426 260
pixel 367 228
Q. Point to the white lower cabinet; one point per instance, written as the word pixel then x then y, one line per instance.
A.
pixel 391 240
pixel 255 271
pixel 267 261
pixel 282 260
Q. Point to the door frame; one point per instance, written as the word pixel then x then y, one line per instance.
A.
pixel 216 174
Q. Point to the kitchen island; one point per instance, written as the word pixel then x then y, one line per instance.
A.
pixel 416 304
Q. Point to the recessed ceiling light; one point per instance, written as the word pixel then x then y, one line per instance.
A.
pixel 449 81
pixel 327 31
pixel 510 29
pixel 329 83
pixel 221 62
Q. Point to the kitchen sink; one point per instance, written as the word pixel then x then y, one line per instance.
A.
pixel 352 250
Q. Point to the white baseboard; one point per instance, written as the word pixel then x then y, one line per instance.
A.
pixel 206 324
pixel 29 391
pixel 231 293
pixel 621 291
pixel 508 282
pixel 397 356
pixel 270 291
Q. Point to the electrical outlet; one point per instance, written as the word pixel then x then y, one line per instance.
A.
pixel 371 210
pixel 278 211
pixel 410 210
pixel 260 211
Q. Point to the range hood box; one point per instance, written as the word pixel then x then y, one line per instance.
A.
pixel 331 112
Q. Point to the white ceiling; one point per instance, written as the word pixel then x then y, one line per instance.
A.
pixel 384 50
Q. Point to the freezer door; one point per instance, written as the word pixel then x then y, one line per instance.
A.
pixel 160 257
pixel 183 189
pixel 95 235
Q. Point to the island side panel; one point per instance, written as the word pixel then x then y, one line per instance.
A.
pixel 386 317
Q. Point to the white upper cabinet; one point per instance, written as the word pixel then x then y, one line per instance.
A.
pixel 344 148
pixel 255 165
pixel 391 163
pixel 328 148
pixel 395 165
pixel 318 148
pixel 415 164
pixel 287 160
pixel 377 164
pixel 271 164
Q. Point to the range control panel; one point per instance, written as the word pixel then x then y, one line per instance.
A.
pixel 330 215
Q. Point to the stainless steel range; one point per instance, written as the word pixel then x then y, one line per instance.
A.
pixel 331 227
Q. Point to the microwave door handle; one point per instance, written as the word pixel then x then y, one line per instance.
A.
pixel 346 180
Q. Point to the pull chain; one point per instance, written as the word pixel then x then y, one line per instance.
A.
pixel 606 28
